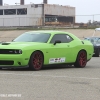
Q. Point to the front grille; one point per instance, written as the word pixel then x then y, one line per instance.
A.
pixel 6 62
pixel 96 49
pixel 9 51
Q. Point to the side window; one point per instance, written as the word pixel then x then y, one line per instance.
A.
pixel 64 38
pixel 69 39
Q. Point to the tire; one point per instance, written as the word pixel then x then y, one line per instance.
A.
pixel 0 68
pixel 36 61
pixel 81 60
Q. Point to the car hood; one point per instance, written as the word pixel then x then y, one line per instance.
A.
pixel 18 45
pixel 96 44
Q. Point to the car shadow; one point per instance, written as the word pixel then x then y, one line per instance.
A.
pixel 54 67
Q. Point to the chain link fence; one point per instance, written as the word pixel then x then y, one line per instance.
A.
pixel 88 21
pixel 51 21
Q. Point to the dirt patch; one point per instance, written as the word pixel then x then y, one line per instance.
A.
pixel 10 35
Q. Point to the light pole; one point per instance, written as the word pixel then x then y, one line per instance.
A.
pixel 93 18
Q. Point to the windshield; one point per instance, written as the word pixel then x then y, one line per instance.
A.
pixel 93 39
pixel 34 37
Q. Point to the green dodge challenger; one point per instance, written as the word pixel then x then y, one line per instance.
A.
pixel 34 49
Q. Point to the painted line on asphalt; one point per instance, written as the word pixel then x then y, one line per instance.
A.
pixel 53 76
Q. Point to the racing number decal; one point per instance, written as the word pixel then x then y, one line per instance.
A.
pixel 57 60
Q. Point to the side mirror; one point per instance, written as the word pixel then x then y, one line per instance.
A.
pixel 57 41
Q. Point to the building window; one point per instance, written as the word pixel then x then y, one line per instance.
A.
pixel 1 12
pixel 36 6
pixel 9 11
pixel 22 11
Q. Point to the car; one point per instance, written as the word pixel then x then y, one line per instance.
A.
pixel 35 49
pixel 95 31
pixel 95 40
pixel 96 43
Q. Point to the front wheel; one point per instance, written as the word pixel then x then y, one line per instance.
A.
pixel 81 60
pixel 36 61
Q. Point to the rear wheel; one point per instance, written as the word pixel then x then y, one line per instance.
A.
pixel 81 60
pixel 36 61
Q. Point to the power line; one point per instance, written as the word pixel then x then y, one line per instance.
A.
pixel 88 15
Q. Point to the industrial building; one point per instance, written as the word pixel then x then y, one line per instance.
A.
pixel 35 14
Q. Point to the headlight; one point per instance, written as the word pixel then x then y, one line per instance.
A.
pixel 18 51
pixel 97 44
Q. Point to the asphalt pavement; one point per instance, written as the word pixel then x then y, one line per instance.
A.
pixel 52 83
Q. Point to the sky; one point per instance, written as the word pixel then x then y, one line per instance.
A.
pixel 85 9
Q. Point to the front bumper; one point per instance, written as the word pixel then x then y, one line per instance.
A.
pixel 13 61
pixel 96 49
pixel 14 67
